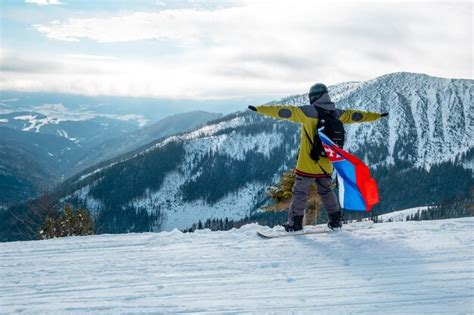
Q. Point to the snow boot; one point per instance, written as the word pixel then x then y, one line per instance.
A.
pixel 297 224
pixel 335 220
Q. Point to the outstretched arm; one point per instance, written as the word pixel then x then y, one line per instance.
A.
pixel 350 116
pixel 291 113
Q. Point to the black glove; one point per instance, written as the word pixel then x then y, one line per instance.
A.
pixel 383 114
pixel 252 108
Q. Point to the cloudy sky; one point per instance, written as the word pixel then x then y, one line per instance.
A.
pixel 206 50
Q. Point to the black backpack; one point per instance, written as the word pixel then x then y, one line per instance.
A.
pixel 333 128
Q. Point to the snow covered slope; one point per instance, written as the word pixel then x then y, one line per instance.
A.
pixel 400 215
pixel 218 171
pixel 401 267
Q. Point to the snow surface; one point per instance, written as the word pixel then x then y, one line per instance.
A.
pixel 401 267
pixel 179 214
pixel 91 203
pixel 235 206
pixel 57 113
pixel 401 215
pixel 35 123
pixel 63 133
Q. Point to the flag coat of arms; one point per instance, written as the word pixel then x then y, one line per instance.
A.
pixel 357 190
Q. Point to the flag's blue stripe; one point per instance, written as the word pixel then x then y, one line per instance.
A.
pixel 346 170
pixel 352 197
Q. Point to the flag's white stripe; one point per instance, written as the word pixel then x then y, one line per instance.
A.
pixel 340 183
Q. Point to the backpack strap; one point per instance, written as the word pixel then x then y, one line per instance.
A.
pixel 312 144
pixel 307 135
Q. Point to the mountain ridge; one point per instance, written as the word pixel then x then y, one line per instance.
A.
pixel 131 141
pixel 223 170
pixel 57 148
pixel 230 146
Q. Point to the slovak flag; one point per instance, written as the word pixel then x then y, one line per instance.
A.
pixel 357 190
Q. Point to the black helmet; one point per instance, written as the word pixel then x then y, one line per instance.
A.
pixel 316 91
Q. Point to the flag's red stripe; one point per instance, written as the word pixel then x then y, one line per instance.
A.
pixel 366 184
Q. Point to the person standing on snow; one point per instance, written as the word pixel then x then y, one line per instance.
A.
pixel 308 170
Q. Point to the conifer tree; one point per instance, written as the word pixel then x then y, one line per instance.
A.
pixel 69 223
pixel 83 224
pixel 48 229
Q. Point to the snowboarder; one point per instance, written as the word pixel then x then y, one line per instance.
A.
pixel 310 169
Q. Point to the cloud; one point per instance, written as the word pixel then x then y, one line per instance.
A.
pixel 44 2
pixel 14 62
pixel 184 26
pixel 254 48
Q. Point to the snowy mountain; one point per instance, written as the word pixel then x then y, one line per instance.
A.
pixel 222 170
pixel 86 132
pixel 40 149
pixel 430 119
pixel 402 267
pixel 421 154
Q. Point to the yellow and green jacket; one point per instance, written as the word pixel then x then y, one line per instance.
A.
pixel 307 116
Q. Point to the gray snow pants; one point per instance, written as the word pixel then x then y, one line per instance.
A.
pixel 301 189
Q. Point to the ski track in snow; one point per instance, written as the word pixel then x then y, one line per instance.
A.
pixel 402 267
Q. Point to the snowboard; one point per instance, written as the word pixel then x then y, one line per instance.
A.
pixel 316 229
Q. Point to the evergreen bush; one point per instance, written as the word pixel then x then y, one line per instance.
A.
pixel 69 223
